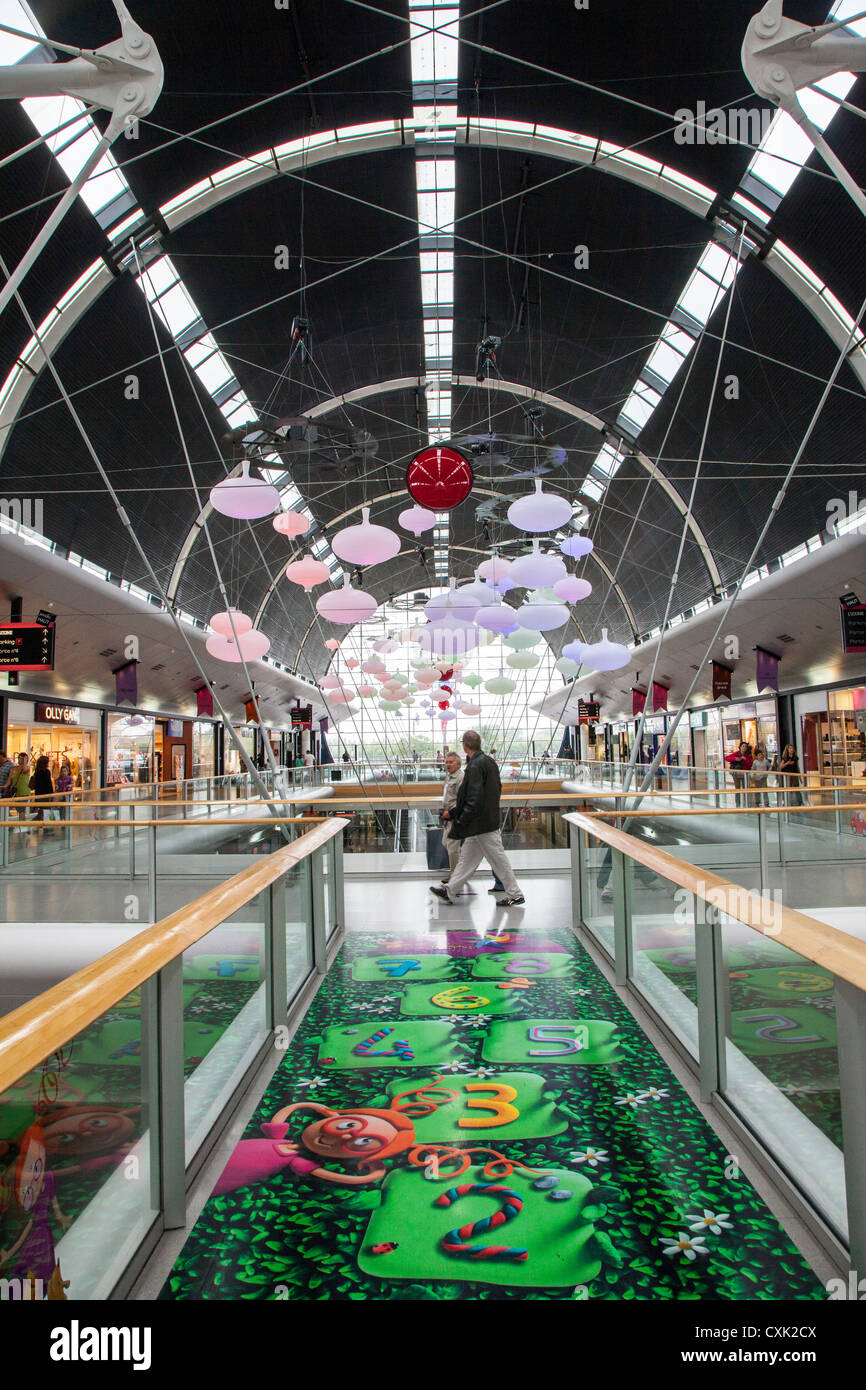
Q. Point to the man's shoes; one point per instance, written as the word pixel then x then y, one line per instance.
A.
pixel 444 880
pixel 512 902
pixel 607 894
pixel 441 893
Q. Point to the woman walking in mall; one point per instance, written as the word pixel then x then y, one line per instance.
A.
pixel 64 786
pixel 18 785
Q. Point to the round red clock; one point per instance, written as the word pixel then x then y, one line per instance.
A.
pixel 439 478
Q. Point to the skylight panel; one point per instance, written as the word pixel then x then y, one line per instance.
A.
pixel 752 211
pixel 436 213
pixel 158 277
pixel 819 108
pixel 12 49
pixel 437 122
pixel 717 263
pixel 592 489
pixel 677 338
pixel 846 8
pixel 700 297
pixel 437 289
pixel 199 351
pixel 783 152
pixel 664 361
pixel 434 174
pixel 214 373
pixel 433 46
pixel 609 460
pixel 236 407
pixel 176 309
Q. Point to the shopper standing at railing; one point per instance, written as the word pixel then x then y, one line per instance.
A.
pixel 789 767
pixel 18 785
pixel 6 766
pixel 740 762
pixel 758 775
pixel 64 786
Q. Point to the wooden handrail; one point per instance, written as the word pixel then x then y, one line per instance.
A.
pixel 720 811
pixel 835 950
pixel 164 824
pixel 48 1022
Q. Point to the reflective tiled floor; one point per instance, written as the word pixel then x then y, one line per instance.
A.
pixel 469 1112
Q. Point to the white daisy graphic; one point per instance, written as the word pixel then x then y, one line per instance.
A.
pixel 653 1093
pixel 453 1066
pixel 710 1221
pixel 313 1082
pixel 688 1246
pixel 591 1156
pixel 484 1072
pixel 633 1099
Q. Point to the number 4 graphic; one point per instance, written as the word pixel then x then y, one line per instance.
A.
pixel 573 1037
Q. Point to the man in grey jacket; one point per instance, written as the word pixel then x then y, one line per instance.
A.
pixel 476 821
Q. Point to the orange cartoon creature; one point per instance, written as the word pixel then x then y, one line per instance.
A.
pixel 360 1137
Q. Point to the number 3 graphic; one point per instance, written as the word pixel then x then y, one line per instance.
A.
pixel 499 1103
pixel 574 1037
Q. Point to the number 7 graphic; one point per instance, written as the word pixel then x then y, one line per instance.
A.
pixel 574 1037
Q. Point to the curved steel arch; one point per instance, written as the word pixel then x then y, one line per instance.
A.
pixel 569 146
pixel 520 136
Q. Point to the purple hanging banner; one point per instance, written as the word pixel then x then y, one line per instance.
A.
pixel 324 724
pixel 638 701
pixel 767 673
pixel 126 684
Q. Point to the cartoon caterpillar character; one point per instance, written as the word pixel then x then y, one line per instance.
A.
pixel 360 1136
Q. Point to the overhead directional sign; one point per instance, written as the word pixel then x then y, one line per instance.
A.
pixel 26 647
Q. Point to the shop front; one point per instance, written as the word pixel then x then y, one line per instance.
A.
pixel 64 733
pixel 831 727
pixel 247 736
pixel 130 749
pixel 718 731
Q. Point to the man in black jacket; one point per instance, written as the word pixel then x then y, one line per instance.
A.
pixel 475 821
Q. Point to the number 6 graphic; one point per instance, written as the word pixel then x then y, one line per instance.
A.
pixel 559 1033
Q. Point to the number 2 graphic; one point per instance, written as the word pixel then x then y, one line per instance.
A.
pixel 775 1024
pixel 574 1037
pixel 500 1103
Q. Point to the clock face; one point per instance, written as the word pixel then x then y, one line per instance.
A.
pixel 439 478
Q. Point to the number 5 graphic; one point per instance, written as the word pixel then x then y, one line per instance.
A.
pixel 573 1037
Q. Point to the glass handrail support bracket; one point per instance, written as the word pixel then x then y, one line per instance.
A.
pixel 316 870
pixel 172 1167
pixel 621 873
pixel 712 998
pixel 851 1033
pixel 275 953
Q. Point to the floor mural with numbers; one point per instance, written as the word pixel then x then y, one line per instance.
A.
pixel 471 1117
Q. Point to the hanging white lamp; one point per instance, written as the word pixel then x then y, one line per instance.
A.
pixel 222 623
pixel 574 651
pixel 500 685
pixel 566 666
pixel 535 570
pixel 307 572
pixel 572 589
pixel 605 655
pixel 522 661
pixel 497 617
pixel 417 520
pixel 346 605
pixel 576 546
pixel 540 511
pixel 365 544
pixel 522 639
pixel 243 497
pixel 292 523
pixel 542 614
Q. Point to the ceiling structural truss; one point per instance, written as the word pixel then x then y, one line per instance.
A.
pixel 123 77
pixel 433 52
pixel 802 70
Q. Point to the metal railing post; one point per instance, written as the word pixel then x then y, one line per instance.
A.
pixel 577 846
pixel 132 842
pixel 621 916
pixel 275 952
pixel 4 837
pixel 172 1136
pixel 837 815
pixel 710 978
pixel 316 862
pixel 851 1031
pixel 764 867
pixel 151 867
pixel 338 884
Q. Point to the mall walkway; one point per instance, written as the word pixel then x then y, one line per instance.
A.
pixel 479 1037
